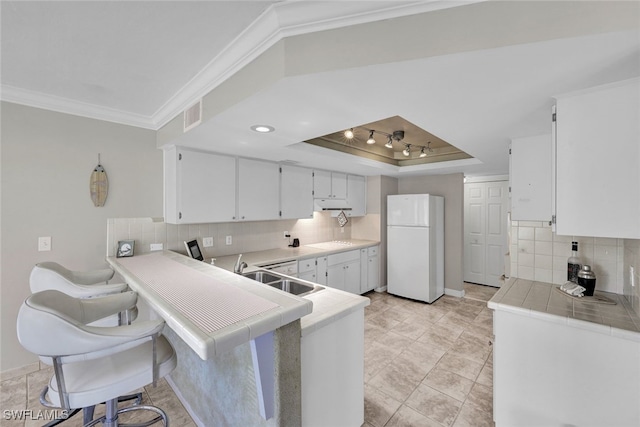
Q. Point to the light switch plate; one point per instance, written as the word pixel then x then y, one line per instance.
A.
pixel 207 242
pixel 44 244
pixel 156 247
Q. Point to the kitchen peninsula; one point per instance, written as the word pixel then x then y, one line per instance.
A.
pixel 562 360
pixel 212 317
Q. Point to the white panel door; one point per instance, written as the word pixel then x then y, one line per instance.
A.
pixel 485 231
pixel 496 235
pixel 474 232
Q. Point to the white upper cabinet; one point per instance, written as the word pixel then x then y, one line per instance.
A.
pixel 258 190
pixel 356 195
pixel 296 192
pixel 199 187
pixel 329 185
pixel 530 175
pixel 597 138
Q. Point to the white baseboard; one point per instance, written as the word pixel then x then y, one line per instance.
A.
pixel 381 289
pixel 181 398
pixel 454 293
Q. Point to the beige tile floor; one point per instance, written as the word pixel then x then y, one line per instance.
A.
pixel 425 365
pixel 429 365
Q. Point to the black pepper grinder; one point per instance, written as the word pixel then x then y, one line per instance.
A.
pixel 587 279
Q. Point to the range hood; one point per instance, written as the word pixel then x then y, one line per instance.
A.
pixel 331 205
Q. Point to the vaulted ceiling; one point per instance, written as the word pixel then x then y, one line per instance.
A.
pixel 475 74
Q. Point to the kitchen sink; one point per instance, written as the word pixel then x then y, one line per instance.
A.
pixel 292 287
pixel 262 276
pixel 283 283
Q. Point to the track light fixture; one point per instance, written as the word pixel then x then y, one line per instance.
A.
pixel 348 133
pixel 371 140
pixel 396 136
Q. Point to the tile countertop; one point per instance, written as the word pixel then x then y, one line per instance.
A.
pixel 235 311
pixel 255 259
pixel 541 300
pixel 329 304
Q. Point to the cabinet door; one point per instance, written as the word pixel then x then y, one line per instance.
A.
pixel 338 185
pixel 308 275
pixel 321 184
pixel 296 192
pixel 597 155
pixel 373 272
pixel 321 270
pixel 258 190
pixel 336 276
pixel 356 195
pixel 531 170
pixel 364 276
pixel 200 187
pixel 352 277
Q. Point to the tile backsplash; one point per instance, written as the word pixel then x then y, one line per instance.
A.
pixel 246 236
pixel 536 253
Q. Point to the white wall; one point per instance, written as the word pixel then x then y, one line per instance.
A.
pixel 47 159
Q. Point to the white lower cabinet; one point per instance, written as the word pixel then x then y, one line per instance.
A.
pixel 332 363
pixel 369 269
pixel 343 271
pixel 307 270
pixel 547 371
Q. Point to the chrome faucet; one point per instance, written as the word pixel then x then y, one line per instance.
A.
pixel 239 265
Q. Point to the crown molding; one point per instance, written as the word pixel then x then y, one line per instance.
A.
pixel 280 20
pixel 70 106
pixel 287 19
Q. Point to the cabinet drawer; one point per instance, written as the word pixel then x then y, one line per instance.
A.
pixel 372 251
pixel 343 257
pixel 305 265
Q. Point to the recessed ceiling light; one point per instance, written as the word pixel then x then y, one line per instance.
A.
pixel 263 128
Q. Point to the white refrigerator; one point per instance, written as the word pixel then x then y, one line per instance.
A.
pixel 415 246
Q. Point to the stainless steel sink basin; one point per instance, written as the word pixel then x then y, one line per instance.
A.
pixel 283 283
pixel 262 276
pixel 295 288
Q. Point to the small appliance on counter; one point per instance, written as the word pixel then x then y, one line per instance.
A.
pixel 587 279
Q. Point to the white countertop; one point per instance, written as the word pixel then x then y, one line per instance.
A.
pixel 541 300
pixel 249 309
pixel 329 304
pixel 258 258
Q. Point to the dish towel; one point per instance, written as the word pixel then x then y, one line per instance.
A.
pixel 573 289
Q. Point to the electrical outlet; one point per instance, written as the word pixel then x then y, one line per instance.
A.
pixel 286 235
pixel 44 244
pixel 228 240
pixel 156 247
pixel 207 242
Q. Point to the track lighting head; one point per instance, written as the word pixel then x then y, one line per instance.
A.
pixel 422 153
pixel 407 150
pixel 389 143
pixel 371 140
pixel 348 133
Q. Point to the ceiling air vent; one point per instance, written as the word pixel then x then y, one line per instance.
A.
pixel 193 116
